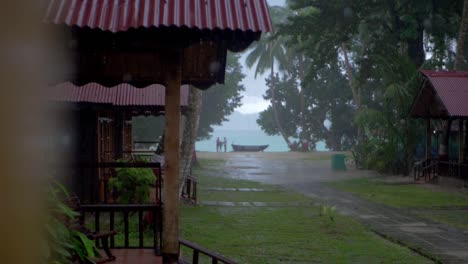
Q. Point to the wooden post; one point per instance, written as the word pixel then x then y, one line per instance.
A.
pixel 466 140
pixel 460 141
pixel 428 139
pixel 170 233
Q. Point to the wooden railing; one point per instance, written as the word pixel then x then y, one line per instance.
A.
pixel 431 169
pixel 137 225
pixel 455 169
pixel 198 250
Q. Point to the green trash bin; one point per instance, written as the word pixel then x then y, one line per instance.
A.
pixel 338 162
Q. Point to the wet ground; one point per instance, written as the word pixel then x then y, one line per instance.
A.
pixel 308 175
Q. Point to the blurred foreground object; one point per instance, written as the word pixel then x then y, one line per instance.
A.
pixel 25 67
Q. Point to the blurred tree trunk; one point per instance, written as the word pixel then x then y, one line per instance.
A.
pixel 459 58
pixel 190 134
pixel 301 73
pixel 352 85
pixel 349 72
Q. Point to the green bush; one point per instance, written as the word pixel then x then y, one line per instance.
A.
pixel 132 184
pixel 63 244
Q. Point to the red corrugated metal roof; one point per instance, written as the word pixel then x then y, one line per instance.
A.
pixel 120 15
pixel 452 89
pixel 120 95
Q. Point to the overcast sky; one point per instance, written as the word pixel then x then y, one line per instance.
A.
pixel 254 87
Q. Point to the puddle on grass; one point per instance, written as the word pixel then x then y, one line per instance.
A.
pixel 242 167
pixel 363 216
pixel 419 228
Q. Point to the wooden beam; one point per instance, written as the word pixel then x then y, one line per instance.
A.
pixel 428 139
pixel 170 234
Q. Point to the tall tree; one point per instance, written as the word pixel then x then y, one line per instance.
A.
pixel 364 37
pixel 264 55
pixel 190 135
pixel 327 98
pixel 459 56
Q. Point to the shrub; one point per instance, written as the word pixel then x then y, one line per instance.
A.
pixel 132 184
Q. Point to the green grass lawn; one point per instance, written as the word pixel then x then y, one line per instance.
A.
pixel 429 203
pixel 282 234
pixel 401 196
pixel 267 196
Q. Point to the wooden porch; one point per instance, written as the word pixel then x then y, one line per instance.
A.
pixel 147 256
pixel 141 256
pixel 139 234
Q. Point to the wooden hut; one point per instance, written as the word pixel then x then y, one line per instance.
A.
pixel 443 96
pixel 100 128
pixel 144 42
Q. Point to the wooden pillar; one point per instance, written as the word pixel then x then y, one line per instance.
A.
pixel 170 233
pixel 428 139
pixel 461 143
pixel 466 140
pixel 118 134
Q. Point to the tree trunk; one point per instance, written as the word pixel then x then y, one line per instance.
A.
pixel 349 72
pixel 416 49
pixel 301 95
pixel 190 135
pixel 352 84
pixel 275 110
pixel 459 57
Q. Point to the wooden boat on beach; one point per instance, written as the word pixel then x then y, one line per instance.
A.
pixel 251 148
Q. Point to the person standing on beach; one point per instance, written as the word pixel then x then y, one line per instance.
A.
pixel 225 144
pixel 305 145
pixel 217 144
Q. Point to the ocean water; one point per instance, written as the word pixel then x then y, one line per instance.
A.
pixel 247 137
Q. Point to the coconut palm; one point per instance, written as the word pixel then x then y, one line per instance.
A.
pixel 266 53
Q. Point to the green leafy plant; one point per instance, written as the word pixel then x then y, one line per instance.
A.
pixel 64 244
pixel 132 184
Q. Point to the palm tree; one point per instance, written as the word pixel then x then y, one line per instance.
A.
pixel 265 53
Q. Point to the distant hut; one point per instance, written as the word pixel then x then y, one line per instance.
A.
pixel 443 95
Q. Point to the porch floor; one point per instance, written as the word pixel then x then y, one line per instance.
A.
pixel 141 256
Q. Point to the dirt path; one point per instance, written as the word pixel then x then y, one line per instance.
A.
pixel 307 173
